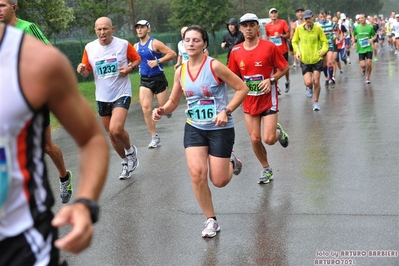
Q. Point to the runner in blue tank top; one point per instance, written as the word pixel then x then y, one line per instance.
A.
pixel 154 54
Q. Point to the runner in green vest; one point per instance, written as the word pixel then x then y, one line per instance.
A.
pixel 363 36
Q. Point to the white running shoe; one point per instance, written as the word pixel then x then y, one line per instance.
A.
pixel 66 188
pixel 155 142
pixel 211 228
pixel 283 138
pixel 316 106
pixel 309 92
pixel 266 176
pixel 237 164
pixel 287 86
pixel 132 160
pixel 278 90
pixel 125 174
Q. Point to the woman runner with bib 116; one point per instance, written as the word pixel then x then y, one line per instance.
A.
pixel 209 130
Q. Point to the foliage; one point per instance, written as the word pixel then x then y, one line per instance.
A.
pixel 350 8
pixel 53 16
pixel 74 51
pixel 88 11
pixel 287 8
pixel 388 7
pixel 237 8
pixel 157 13
pixel 210 14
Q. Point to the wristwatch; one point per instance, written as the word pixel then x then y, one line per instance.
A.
pixel 158 61
pixel 227 110
pixel 93 207
pixel 272 81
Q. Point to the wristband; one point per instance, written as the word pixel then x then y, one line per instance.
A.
pixel 93 207
pixel 227 110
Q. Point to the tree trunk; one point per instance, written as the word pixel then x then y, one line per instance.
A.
pixel 215 45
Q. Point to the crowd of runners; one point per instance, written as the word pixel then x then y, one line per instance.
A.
pixel 318 43
pixel 365 34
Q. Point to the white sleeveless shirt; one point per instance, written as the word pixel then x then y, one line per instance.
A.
pixel 22 137
pixel 206 96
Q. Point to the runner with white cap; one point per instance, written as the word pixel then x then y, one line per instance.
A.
pixel 277 32
pixel 154 54
pixel 259 63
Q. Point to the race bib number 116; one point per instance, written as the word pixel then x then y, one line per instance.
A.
pixel 201 111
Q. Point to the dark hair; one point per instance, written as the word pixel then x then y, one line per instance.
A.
pixel 322 12
pixel 201 30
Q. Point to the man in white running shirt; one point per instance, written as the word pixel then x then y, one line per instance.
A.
pixel 111 59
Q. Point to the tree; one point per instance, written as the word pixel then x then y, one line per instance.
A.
pixel 157 12
pixel 350 8
pixel 52 16
pixel 88 11
pixel 388 7
pixel 210 14
pixel 285 9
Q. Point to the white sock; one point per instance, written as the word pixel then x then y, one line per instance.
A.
pixel 129 151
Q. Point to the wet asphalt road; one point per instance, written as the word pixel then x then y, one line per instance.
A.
pixel 334 198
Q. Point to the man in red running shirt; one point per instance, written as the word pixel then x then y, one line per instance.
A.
pixel 260 65
pixel 277 32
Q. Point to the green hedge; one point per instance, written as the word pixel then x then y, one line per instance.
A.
pixel 73 49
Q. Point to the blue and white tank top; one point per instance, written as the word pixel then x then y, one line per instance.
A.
pixel 206 96
pixel 146 53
